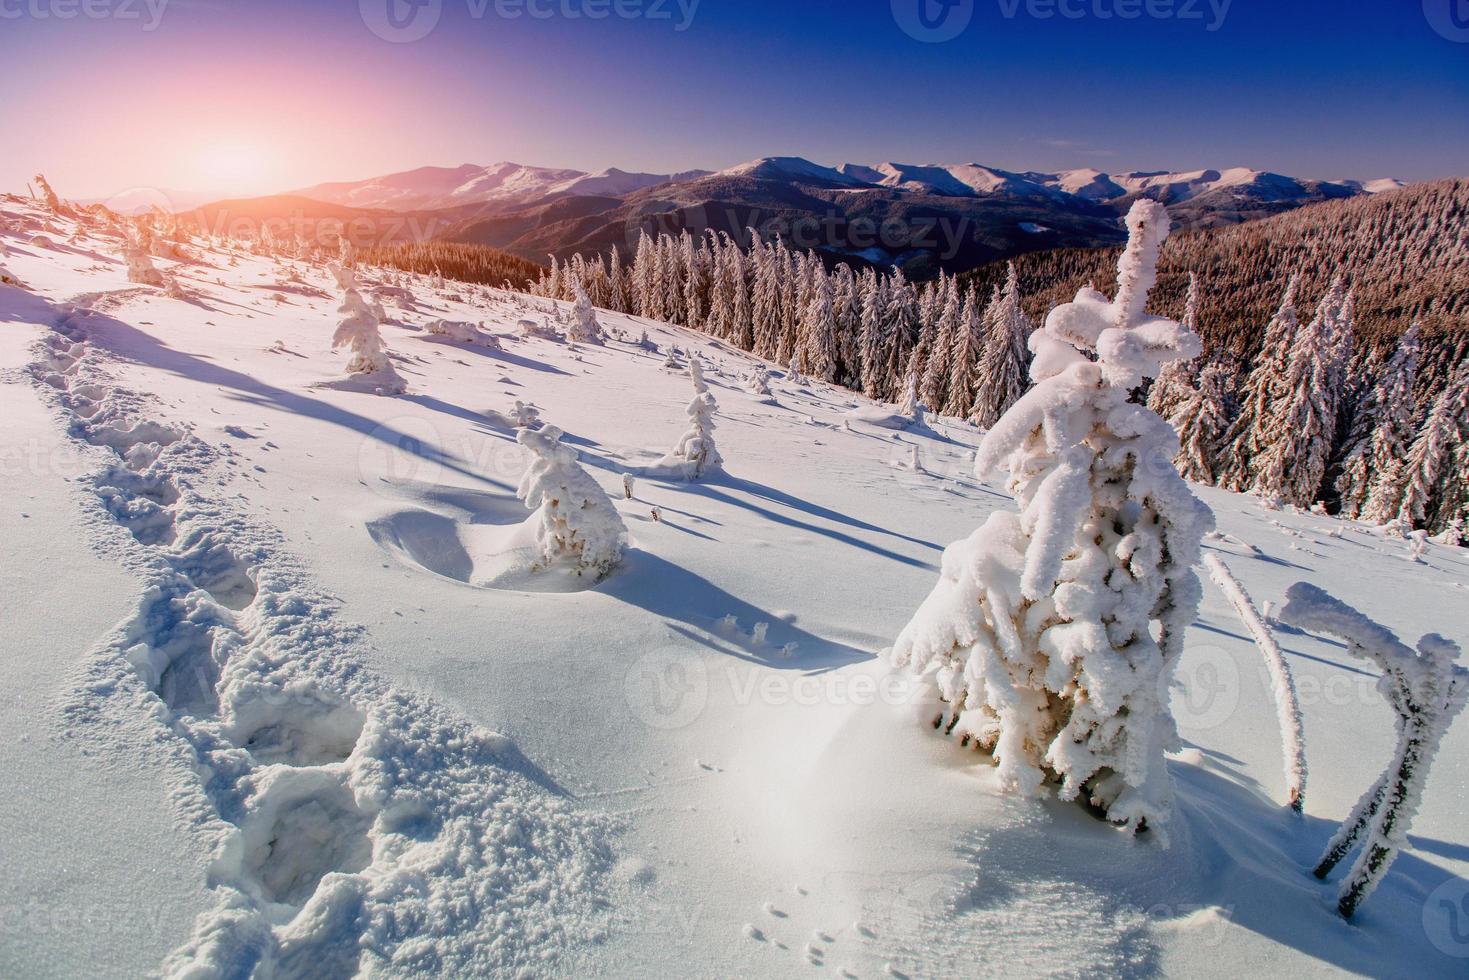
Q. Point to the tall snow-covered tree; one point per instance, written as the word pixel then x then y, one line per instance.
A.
pixel 1052 634
pixel 870 337
pixel 1002 371
pixel 1370 484
pixel 965 358
pixel 1175 384
pixel 1201 420
pixel 616 287
pixel 935 388
pixel 1249 433
pixel 820 330
pixel 1298 438
pixel 901 331
pixel 1436 459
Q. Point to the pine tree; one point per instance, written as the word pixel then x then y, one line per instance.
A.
pixel 1053 633
pixel 616 288
pixel 1370 485
pixel 1003 369
pixel 965 357
pixel 1175 384
pixel 1300 432
pixel 358 332
pixel 576 524
pixel 1430 472
pixel 1247 435
pixel 584 326
pixel 1201 420
pixel 935 390
pixel 873 317
pixel 901 333
pixel 819 329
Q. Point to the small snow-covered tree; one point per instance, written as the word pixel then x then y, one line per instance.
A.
pixel 140 265
pixel 358 332
pixel 577 526
pixel 1426 690
pixel 584 326
pixel 1052 634
pixel 53 203
pixel 758 382
pixel 525 416
pixel 695 456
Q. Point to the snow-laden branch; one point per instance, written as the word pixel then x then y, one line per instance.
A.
pixel 1282 684
pixel 1426 689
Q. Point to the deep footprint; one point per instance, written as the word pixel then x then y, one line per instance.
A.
pixel 307 826
pixel 303 729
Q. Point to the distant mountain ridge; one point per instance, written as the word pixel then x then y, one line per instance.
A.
pixel 950 217
pixel 437 188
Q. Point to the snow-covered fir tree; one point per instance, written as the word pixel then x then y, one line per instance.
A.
pixel 1296 441
pixel 584 326
pixel 1175 384
pixel 965 358
pixel 1052 634
pixel 695 456
pixel 1249 432
pixel 358 332
pixel 1434 477
pixel 820 329
pixel 1371 481
pixel 140 265
pixel 577 526
pixel 1201 420
pixel 1002 375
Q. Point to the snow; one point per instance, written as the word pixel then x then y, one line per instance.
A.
pixel 607 781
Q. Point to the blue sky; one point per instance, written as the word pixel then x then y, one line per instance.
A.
pixel 263 95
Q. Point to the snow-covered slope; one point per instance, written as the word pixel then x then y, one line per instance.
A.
pixel 339 743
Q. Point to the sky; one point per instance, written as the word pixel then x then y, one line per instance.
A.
pixel 244 97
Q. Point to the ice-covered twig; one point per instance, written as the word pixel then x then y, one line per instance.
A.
pixel 1426 689
pixel 1282 684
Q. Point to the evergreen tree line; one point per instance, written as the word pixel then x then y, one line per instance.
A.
pixel 455 260
pixel 1313 419
pixel 940 343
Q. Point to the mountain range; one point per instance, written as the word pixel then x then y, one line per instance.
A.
pixel 924 218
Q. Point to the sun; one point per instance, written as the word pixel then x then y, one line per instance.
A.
pixel 235 165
